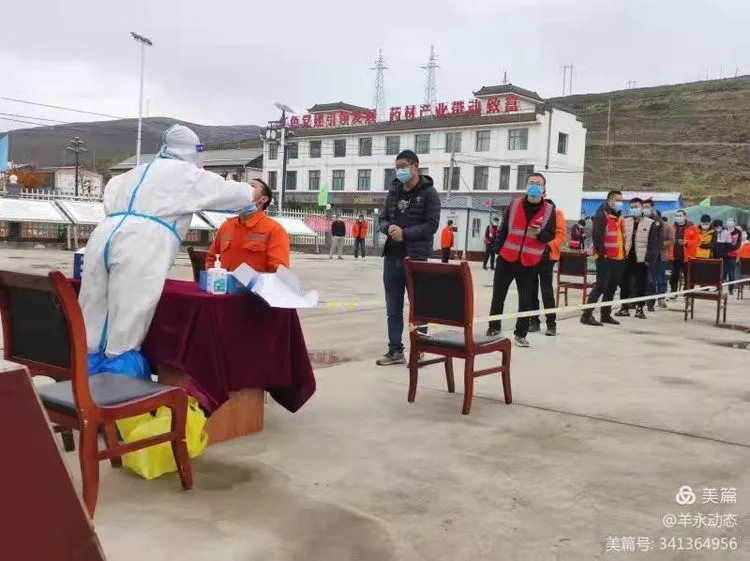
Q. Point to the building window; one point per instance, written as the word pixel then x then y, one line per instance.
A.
pixel 453 142
pixel 389 178
pixel 518 139
pixel 363 179
pixel 483 141
pixel 314 180
pixel 365 146
pixel 292 150
pixel 562 143
pixel 422 143
pixel 339 148
pixel 273 151
pixel 504 178
pixel 315 148
pixel 455 181
pixel 523 174
pixel 481 175
pixel 273 177
pixel 337 182
pixel 476 227
pixel 392 145
pixel 291 181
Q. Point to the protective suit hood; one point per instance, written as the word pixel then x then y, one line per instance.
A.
pixel 181 143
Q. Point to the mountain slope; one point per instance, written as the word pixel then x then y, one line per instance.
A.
pixel 110 141
pixel 693 138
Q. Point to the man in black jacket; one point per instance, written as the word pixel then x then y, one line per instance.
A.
pixel 410 218
pixel 338 234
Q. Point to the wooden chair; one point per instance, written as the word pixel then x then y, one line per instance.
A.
pixel 35 485
pixel 573 264
pixel 743 272
pixel 43 329
pixel 443 294
pixel 197 261
pixel 705 272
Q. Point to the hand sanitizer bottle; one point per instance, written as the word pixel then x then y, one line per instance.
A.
pixel 216 278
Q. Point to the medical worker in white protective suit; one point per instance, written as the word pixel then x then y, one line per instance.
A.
pixel 128 255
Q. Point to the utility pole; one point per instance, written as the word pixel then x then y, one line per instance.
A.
pixel 609 118
pixel 77 146
pixel 450 170
pixel 567 79
pixel 379 100
pixel 430 88
pixel 570 83
pixel 271 134
pixel 144 42
pixel 283 162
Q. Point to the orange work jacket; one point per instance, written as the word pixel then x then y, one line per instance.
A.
pixel 561 232
pixel 359 230
pixel 692 240
pixel 446 237
pixel 259 241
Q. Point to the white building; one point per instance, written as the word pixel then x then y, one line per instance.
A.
pixel 90 183
pixel 500 136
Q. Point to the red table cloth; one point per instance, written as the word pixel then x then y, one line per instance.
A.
pixel 226 343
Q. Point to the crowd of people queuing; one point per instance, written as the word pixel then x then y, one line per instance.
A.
pixel 634 249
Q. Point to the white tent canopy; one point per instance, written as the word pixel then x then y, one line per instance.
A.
pixel 91 213
pixel 25 210
pixel 293 226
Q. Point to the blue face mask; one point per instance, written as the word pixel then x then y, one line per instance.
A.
pixel 636 212
pixel 403 174
pixel 534 190
pixel 617 206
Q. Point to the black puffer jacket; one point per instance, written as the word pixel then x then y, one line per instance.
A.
pixel 419 221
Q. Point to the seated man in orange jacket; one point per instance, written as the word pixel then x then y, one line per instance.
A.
pixel 543 278
pixel 253 238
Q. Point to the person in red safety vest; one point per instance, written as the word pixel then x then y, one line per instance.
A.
pixel 528 226
pixel 608 238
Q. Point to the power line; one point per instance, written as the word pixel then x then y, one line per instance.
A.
pixel 60 107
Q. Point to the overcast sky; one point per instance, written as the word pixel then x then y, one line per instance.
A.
pixel 227 61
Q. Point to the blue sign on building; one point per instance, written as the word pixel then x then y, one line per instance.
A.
pixel 663 202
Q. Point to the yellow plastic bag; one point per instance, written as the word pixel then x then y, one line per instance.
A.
pixel 155 461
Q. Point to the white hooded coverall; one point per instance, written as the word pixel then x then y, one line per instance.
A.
pixel 128 255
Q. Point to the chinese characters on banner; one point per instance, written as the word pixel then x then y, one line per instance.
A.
pixel 494 106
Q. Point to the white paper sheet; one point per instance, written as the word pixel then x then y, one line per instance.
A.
pixel 280 289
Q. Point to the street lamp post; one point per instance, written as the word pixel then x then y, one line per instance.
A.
pixel 144 42
pixel 284 137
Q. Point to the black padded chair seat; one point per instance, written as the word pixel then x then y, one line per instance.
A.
pixel 455 339
pixel 106 389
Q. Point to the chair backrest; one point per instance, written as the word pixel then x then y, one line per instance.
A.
pixel 43 328
pixel 745 265
pixel 440 293
pixel 197 261
pixel 573 264
pixel 36 487
pixel 705 272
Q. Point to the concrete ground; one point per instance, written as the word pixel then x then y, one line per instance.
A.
pixel 607 424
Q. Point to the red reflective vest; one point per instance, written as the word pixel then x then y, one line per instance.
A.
pixel 518 243
pixel 613 237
